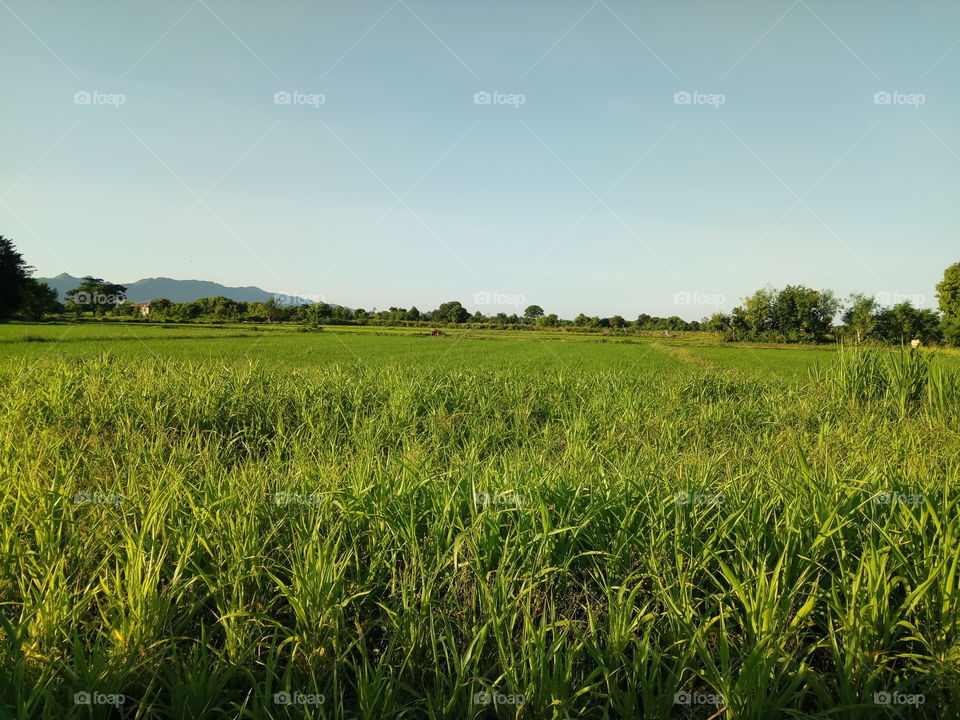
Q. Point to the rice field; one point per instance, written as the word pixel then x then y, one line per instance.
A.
pixel 200 522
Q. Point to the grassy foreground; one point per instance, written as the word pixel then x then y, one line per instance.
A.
pixel 589 536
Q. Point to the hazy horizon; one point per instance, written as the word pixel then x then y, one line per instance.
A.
pixel 594 157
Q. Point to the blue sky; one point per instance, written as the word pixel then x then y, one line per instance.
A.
pixel 148 139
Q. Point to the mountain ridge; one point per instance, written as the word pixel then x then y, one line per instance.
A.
pixel 180 290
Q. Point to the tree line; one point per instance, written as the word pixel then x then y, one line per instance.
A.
pixel 793 314
pixel 800 314
pixel 99 298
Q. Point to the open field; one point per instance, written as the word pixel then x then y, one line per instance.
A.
pixel 293 347
pixel 288 348
pixel 198 518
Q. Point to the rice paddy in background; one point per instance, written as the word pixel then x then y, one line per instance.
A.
pixel 790 362
pixel 288 348
pixel 200 522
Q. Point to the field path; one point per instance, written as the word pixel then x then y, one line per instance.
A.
pixel 685 356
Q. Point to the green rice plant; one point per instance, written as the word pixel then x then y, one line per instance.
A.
pixel 857 375
pixel 943 393
pixel 902 382
pixel 907 375
pixel 403 537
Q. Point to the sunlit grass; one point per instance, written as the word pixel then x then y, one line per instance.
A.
pixel 589 532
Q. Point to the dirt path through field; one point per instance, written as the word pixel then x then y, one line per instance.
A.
pixel 685 356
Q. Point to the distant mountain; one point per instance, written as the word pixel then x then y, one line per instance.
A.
pixel 178 290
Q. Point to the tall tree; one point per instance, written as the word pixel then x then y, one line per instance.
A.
pixel 268 310
pixel 451 312
pixel 96 296
pixel 38 300
pixel 795 313
pixel 720 323
pixel 948 298
pixel 755 316
pixel 800 313
pixel 14 273
pixel 860 318
pixel 903 322
pixel 533 312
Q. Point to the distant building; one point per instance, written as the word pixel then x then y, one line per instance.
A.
pixel 143 307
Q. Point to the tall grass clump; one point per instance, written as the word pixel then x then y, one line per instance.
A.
pixel 902 382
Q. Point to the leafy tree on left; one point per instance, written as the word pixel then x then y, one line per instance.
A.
pixel 14 273
pixel 39 299
pixel 20 293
